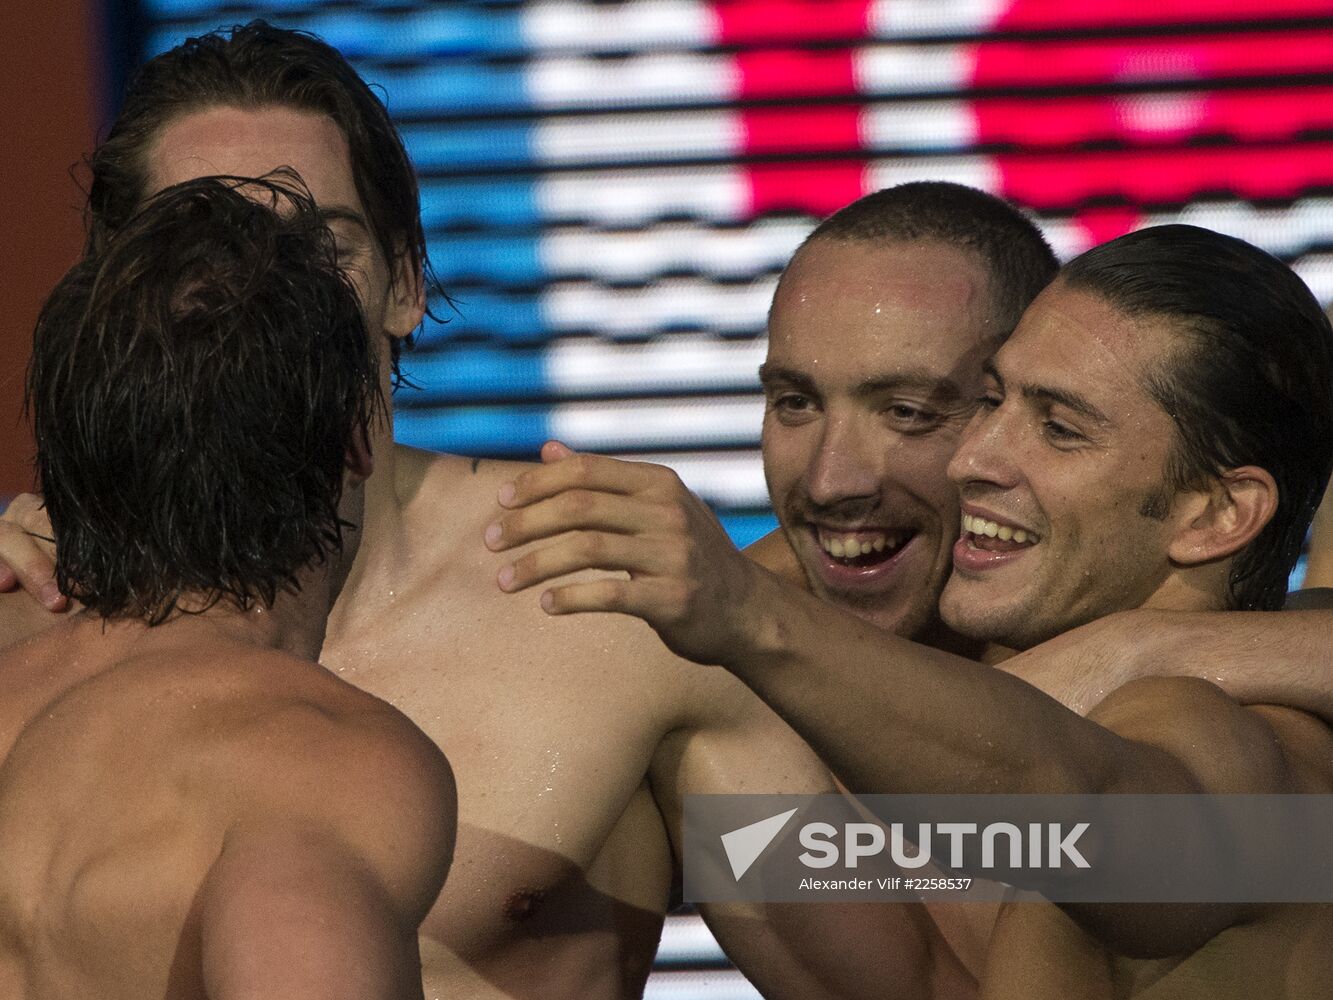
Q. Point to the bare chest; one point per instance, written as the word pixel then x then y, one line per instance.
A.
pixel 560 842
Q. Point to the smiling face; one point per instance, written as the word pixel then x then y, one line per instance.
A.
pixel 874 365
pixel 1064 511
pixel 252 143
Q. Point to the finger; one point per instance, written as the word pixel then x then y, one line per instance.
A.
pixel 31 567
pixel 554 451
pixel 651 600
pixel 579 551
pixel 581 471
pixel 570 511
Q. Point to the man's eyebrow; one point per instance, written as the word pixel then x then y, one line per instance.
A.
pixel 336 213
pixel 1069 400
pixel 772 374
pixel 920 380
pixel 1050 394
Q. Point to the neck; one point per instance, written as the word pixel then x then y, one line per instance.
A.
pixel 294 624
pixel 383 546
pixel 1199 588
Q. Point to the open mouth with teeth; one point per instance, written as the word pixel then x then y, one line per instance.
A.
pixel 995 537
pixel 862 548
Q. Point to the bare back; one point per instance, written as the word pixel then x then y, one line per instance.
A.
pixel 109 820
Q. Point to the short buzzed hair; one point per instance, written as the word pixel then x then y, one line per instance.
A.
pixel 1017 257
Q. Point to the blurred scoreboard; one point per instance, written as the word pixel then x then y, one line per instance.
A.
pixel 610 189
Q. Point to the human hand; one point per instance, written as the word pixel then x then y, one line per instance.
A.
pixel 686 578
pixel 27 553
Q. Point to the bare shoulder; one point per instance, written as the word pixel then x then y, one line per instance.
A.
pixel 774 554
pixel 23 616
pixel 292 740
pixel 1227 746
pixel 464 487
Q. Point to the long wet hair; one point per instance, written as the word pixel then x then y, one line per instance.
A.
pixel 194 386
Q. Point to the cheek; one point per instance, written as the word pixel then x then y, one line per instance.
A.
pixel 787 452
pixel 920 466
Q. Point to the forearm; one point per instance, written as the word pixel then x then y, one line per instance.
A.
pixel 892 716
pixel 1273 658
pixel 840 951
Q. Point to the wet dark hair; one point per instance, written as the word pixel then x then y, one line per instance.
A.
pixel 253 66
pixel 1016 255
pixel 194 385
pixel 1251 383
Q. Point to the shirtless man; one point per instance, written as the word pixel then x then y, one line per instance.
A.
pixel 572 742
pixel 190 805
pixel 1156 435
pixel 570 783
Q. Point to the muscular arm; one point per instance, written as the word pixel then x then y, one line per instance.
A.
pixel 1274 657
pixel 340 839
pixel 290 911
pixel 925 721
pixel 735 744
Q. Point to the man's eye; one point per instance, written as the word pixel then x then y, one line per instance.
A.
pixel 989 401
pixel 905 413
pixel 1059 433
pixel 791 405
pixel 349 250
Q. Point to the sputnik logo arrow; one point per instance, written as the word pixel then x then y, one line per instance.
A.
pixel 743 846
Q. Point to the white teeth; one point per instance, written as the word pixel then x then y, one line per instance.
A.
pixel 851 547
pixel 973 525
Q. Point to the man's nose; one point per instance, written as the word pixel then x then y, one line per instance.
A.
pixel 847 465
pixel 986 453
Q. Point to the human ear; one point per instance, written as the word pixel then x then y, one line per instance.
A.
pixel 1221 520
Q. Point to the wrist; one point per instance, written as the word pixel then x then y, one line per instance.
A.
pixel 765 616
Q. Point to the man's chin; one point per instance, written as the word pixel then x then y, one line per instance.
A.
pixel 1000 620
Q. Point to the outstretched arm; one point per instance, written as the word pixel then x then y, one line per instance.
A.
pixel 639 517
pixel 924 721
